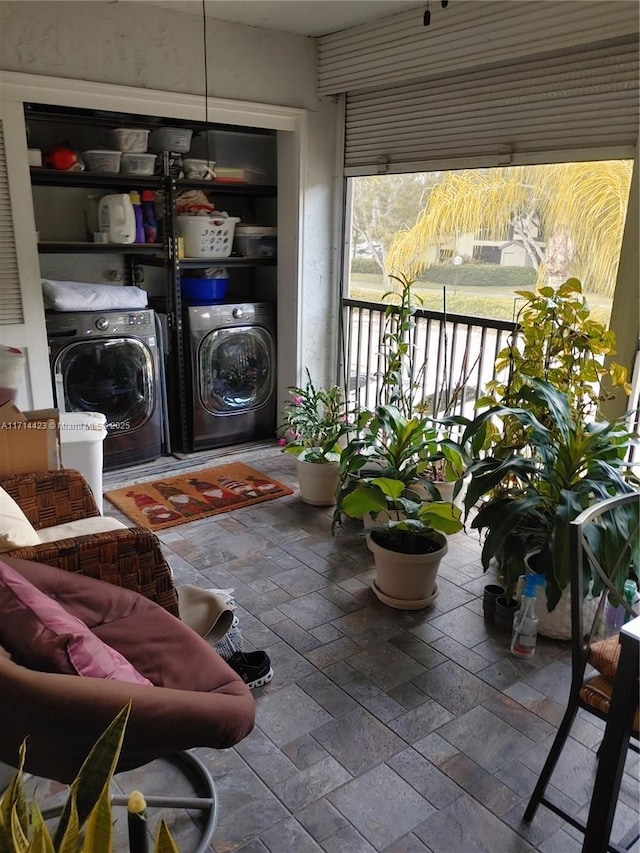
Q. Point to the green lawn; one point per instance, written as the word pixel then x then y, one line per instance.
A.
pixel 497 303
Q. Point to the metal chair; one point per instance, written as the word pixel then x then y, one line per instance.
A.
pixel 608 527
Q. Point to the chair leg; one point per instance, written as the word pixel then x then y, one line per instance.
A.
pixel 552 760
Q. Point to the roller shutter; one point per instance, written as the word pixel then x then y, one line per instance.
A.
pixel 584 101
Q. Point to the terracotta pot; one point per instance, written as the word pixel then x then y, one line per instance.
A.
pixel 318 482
pixel 406 581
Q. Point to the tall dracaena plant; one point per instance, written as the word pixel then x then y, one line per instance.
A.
pixel 401 374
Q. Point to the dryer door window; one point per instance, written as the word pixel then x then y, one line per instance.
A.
pixel 109 375
pixel 235 370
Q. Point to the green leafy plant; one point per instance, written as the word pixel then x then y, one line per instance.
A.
pixel 556 341
pixel 409 522
pixel 531 496
pixel 400 376
pixel 86 823
pixel 398 440
pixel 388 444
pixel 315 420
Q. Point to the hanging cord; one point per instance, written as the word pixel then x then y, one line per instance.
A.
pixel 206 80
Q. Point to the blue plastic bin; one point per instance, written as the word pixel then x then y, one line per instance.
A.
pixel 202 291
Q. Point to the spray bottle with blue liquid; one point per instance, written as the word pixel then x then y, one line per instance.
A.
pixel 525 622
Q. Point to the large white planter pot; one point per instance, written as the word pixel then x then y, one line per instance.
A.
pixel 556 625
pixel 406 581
pixel 318 482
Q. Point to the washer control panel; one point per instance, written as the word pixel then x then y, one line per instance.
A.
pixel 123 322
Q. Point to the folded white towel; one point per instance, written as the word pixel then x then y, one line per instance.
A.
pixel 85 296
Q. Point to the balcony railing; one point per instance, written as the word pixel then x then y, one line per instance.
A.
pixel 454 358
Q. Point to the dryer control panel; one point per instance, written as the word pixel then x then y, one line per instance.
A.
pixel 139 321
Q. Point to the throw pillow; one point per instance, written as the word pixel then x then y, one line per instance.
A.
pixel 80 527
pixel 41 634
pixel 16 530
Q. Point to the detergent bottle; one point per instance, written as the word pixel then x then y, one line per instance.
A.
pixel 150 223
pixel 525 622
pixel 137 212
pixel 117 219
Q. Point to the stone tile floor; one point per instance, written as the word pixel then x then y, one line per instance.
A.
pixel 382 730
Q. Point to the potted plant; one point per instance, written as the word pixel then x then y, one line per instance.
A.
pixel 407 539
pixel 315 420
pixel 528 498
pixel 556 340
pixel 397 439
pixel 86 822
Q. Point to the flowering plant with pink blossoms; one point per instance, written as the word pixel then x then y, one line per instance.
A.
pixel 315 420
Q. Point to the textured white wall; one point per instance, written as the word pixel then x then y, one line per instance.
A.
pixel 136 44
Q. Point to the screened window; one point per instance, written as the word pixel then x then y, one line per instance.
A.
pixel 474 237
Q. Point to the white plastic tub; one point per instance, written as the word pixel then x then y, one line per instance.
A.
pixel 132 140
pixel 176 139
pixel 256 241
pixel 137 164
pixel 107 162
pixel 81 437
pixel 207 236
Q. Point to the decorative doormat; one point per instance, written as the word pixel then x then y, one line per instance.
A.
pixel 174 500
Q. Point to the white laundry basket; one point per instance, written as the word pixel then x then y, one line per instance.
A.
pixel 207 236
pixel 81 437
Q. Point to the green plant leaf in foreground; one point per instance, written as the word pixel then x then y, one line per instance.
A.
pixel 95 773
pixel 164 841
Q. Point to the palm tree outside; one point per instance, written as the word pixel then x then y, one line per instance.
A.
pixel 486 233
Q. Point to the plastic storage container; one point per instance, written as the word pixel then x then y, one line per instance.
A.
pixel 207 236
pixel 176 139
pixel 137 164
pixel 199 170
pixel 81 437
pixel 202 291
pixel 250 157
pixel 256 241
pixel 102 161
pixel 12 363
pixel 129 139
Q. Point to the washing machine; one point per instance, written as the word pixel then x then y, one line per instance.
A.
pixel 232 372
pixel 108 361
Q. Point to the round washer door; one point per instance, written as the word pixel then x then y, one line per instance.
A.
pixel 236 369
pixel 109 375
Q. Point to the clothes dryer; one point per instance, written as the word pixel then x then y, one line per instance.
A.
pixel 232 360
pixel 108 362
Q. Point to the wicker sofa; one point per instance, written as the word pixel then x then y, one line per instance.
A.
pixel 130 558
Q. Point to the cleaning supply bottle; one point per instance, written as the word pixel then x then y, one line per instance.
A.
pixel 149 217
pixel 525 622
pixel 630 593
pixel 134 195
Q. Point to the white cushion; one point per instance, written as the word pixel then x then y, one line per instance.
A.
pixel 16 531
pixel 94 524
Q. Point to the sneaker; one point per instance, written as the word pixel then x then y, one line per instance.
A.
pixel 254 668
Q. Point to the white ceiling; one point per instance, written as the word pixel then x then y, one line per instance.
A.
pixel 304 17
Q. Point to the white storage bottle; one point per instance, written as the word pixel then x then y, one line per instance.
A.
pixel 525 622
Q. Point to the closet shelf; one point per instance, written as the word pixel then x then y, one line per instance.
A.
pixel 57 178
pixel 60 247
pixel 202 263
